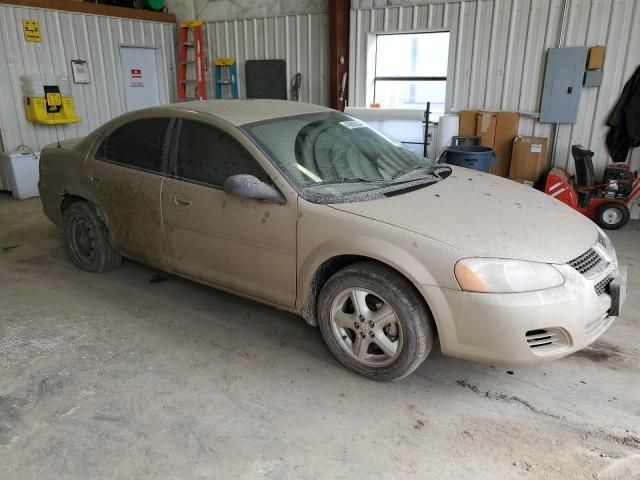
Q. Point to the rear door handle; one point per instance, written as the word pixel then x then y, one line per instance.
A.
pixel 94 179
pixel 181 200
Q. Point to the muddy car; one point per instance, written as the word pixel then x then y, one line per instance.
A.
pixel 312 211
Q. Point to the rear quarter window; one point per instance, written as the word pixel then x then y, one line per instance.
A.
pixel 139 144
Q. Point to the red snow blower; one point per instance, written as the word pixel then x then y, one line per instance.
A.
pixel 607 203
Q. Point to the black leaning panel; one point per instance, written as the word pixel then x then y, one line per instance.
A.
pixel 266 79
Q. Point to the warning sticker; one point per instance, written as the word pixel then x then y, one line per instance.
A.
pixel 136 73
pixel 536 147
pixel 351 124
pixel 54 99
pixel 31 30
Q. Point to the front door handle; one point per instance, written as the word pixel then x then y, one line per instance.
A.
pixel 94 179
pixel 181 200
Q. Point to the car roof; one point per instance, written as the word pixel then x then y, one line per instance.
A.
pixel 240 112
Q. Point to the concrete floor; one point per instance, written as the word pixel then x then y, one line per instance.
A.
pixel 133 375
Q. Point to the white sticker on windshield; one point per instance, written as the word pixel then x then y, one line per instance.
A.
pixel 351 124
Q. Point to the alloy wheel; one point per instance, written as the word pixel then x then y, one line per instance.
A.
pixel 366 327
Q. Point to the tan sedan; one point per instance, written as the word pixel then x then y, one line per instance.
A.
pixel 311 211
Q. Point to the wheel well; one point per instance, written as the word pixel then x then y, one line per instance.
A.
pixel 320 277
pixel 330 267
pixel 68 200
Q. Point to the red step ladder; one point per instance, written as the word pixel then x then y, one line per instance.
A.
pixel 187 43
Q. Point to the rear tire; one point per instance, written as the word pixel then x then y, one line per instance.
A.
pixel 612 215
pixel 87 239
pixel 374 321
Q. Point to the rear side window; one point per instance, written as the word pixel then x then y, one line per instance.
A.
pixel 209 155
pixel 139 144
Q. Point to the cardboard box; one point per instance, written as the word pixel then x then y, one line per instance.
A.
pixel 486 128
pixel 497 130
pixel 596 58
pixel 467 124
pixel 506 132
pixel 528 159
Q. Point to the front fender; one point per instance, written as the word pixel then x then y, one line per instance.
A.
pixel 373 248
pixel 325 233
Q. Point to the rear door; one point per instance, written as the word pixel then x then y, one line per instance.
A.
pixel 126 174
pixel 244 245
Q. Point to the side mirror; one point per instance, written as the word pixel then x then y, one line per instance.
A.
pixel 248 186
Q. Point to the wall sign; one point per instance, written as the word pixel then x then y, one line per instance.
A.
pixel 136 78
pixel 31 31
pixel 80 71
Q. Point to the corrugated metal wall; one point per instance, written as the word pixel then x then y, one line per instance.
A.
pixel 497 55
pixel 301 40
pixel 67 36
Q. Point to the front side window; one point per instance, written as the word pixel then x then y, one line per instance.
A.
pixel 332 157
pixel 411 70
pixel 139 144
pixel 209 155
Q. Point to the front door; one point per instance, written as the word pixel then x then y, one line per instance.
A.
pixel 244 245
pixel 139 77
pixel 126 174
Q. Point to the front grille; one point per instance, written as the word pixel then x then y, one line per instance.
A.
pixel 587 261
pixel 545 341
pixel 602 240
pixel 603 285
pixel 540 338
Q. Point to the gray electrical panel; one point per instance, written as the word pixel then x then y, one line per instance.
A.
pixel 593 78
pixel 563 78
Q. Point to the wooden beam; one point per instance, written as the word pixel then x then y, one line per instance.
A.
pixel 94 9
pixel 338 51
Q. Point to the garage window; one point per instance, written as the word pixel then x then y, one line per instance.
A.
pixel 139 144
pixel 209 155
pixel 411 70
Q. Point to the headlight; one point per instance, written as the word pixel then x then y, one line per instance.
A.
pixel 496 275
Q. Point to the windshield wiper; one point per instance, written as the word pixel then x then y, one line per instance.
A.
pixel 414 174
pixel 418 171
pixel 352 180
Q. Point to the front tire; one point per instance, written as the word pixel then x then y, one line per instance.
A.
pixel 612 215
pixel 87 239
pixel 374 321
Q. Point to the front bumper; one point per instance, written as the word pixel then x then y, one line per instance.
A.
pixel 522 328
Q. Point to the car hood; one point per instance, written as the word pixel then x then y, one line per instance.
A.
pixel 486 216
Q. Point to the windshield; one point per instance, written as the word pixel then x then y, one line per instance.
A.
pixel 334 157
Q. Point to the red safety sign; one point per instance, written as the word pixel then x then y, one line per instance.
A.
pixel 136 73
